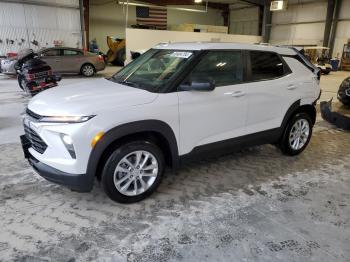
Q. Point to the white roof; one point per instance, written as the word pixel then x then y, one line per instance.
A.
pixel 218 46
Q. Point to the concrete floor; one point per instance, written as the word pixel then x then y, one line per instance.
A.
pixel 255 205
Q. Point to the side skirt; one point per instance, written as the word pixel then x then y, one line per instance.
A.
pixel 271 136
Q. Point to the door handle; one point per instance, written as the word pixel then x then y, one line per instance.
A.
pixel 291 87
pixel 237 94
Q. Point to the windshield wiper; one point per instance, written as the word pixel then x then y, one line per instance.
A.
pixel 128 83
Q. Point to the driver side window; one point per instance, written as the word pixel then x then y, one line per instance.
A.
pixel 223 67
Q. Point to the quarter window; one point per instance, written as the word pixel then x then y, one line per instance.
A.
pixel 224 67
pixel 265 65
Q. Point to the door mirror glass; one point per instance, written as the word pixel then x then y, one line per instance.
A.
pixel 208 85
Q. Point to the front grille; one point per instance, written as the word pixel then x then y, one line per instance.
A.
pixel 32 114
pixel 35 140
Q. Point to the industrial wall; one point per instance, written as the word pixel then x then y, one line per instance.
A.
pixel 343 30
pixel 244 21
pixel 37 26
pixel 303 24
pixel 109 19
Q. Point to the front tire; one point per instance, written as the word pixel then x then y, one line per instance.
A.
pixel 297 135
pixel 21 82
pixel 133 171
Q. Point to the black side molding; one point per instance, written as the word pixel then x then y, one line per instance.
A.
pixel 233 145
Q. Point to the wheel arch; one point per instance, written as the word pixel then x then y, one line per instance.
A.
pixel 151 130
pixel 296 108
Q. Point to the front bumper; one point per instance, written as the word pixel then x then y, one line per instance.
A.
pixel 77 182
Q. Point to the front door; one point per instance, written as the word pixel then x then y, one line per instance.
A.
pixel 52 57
pixel 210 116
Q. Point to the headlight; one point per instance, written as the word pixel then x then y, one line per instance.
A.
pixel 65 119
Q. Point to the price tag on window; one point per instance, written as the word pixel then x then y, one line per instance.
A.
pixel 181 54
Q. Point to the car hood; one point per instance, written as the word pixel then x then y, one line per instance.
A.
pixel 87 98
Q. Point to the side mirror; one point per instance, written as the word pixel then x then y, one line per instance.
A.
pixel 198 86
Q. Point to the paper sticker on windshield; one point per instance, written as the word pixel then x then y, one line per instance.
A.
pixel 181 54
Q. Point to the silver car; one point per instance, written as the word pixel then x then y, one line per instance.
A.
pixel 7 66
pixel 64 60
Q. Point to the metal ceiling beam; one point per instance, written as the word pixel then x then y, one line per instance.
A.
pixel 338 4
pixel 220 6
pixel 254 2
pixel 328 24
pixel 266 24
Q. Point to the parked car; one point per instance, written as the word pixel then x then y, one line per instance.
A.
pixel 33 74
pixel 174 102
pixel 319 56
pixel 72 60
pixel 64 60
pixel 344 92
pixel 7 66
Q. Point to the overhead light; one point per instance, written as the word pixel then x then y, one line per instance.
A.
pixel 278 5
pixel 198 1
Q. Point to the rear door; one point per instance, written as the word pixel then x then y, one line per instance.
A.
pixel 271 90
pixel 71 60
pixel 211 116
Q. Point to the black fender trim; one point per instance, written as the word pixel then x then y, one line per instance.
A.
pixel 130 129
pixel 291 110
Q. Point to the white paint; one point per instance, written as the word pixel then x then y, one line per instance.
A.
pixel 41 23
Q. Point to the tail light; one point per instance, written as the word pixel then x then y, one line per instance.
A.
pixel 100 58
pixel 30 77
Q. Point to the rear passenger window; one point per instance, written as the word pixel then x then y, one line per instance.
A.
pixel 265 65
pixel 224 67
pixel 69 52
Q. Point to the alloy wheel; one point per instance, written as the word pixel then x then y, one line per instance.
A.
pixel 299 134
pixel 88 70
pixel 135 173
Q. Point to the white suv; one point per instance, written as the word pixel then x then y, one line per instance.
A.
pixel 174 102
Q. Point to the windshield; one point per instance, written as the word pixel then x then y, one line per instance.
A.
pixel 153 70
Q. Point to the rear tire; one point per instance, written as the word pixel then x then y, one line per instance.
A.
pixel 87 70
pixel 133 171
pixel 297 135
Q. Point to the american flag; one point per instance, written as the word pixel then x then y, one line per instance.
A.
pixel 152 16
